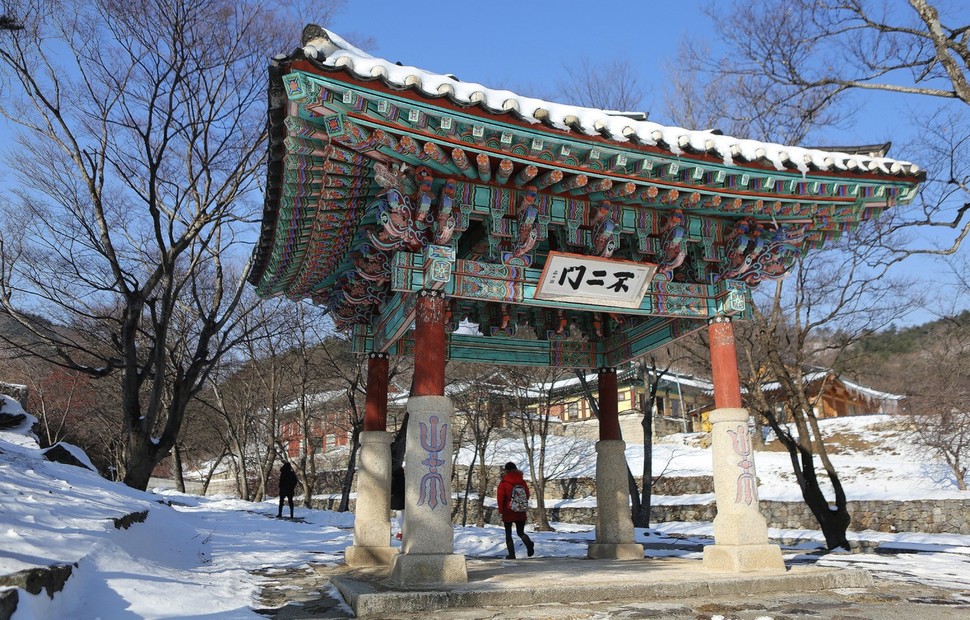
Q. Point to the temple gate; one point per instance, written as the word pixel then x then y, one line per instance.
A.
pixel 406 202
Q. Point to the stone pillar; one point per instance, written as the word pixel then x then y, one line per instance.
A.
pixel 372 516
pixel 428 538
pixel 740 530
pixel 614 525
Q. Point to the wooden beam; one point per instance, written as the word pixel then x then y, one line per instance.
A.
pixel 484 167
pixel 570 183
pixel 627 344
pixel 495 349
pixel 505 168
pixel 460 158
pixel 394 321
pixel 497 282
pixel 525 175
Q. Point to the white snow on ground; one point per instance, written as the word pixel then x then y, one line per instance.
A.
pixel 194 556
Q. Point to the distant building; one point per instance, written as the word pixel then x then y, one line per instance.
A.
pixel 684 401
pixel 681 401
pixel 329 421
pixel 834 396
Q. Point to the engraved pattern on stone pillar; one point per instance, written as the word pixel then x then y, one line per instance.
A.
pixel 747 485
pixel 432 484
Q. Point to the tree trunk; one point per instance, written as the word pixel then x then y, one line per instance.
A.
pixel 482 487
pixel 468 488
pixel 833 522
pixel 179 477
pixel 636 507
pixel 641 518
pixel 542 517
pixel 348 481
pixel 207 480
pixel 141 463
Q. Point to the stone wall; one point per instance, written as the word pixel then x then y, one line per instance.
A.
pixel 925 516
pixel 687 485
pixel 575 488
pixel 940 516
pixel 950 516
pixel 328 502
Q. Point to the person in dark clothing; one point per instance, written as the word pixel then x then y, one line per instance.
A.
pixel 397 497
pixel 510 506
pixel 287 487
pixel 397 488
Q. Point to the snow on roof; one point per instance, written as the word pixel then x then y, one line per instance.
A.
pixel 818 375
pixel 671 376
pixel 871 392
pixel 331 51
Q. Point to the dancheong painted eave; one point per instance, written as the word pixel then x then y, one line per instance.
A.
pixel 386 180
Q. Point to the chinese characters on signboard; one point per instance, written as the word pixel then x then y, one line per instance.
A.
pixel 596 281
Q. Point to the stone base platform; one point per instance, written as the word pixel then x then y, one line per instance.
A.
pixel 743 558
pixel 536 581
pixel 370 556
pixel 615 551
pixel 410 570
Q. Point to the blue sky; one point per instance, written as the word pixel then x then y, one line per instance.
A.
pixel 519 45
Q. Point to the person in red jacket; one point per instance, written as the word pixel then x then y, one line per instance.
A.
pixel 513 508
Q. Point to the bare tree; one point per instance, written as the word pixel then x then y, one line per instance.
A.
pixel 480 411
pixel 141 145
pixel 534 395
pixel 8 17
pixel 250 389
pixel 789 68
pixel 612 85
pixel 70 407
pixel 640 493
pixel 938 382
pixel 59 398
pixel 833 299
pixel 650 375
pixel 946 433
pixel 306 379
pixel 347 372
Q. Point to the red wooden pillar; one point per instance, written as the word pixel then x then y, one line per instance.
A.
pixel 609 413
pixel 429 344
pixel 724 364
pixel 375 410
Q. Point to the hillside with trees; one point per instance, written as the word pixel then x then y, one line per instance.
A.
pixel 910 360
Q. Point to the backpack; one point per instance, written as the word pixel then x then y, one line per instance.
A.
pixel 519 501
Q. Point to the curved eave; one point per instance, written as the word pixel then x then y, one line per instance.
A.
pixel 276 129
pixel 591 125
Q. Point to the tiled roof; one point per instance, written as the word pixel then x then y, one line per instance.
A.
pixel 330 51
